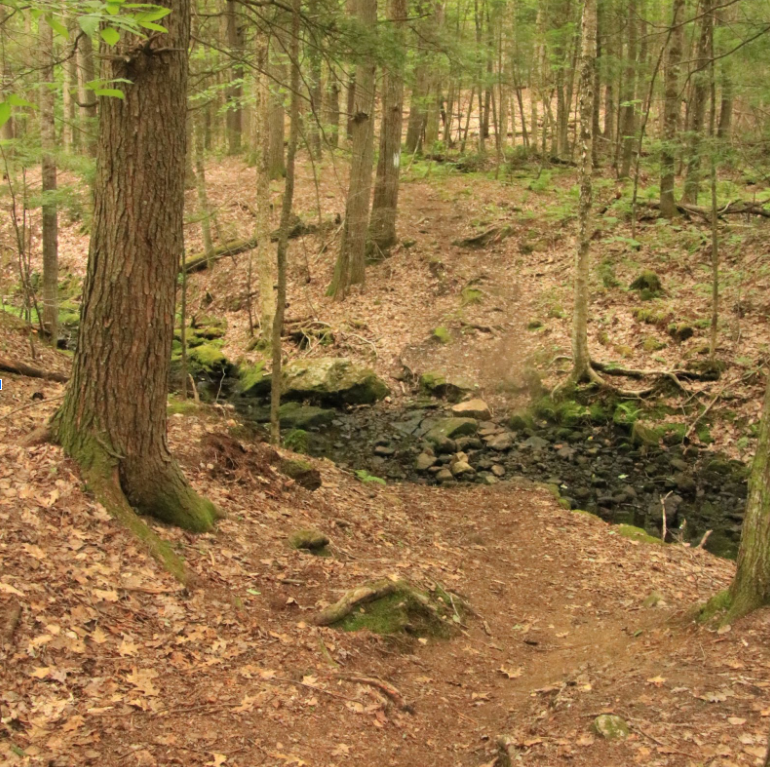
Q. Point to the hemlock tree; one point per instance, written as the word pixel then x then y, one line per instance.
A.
pixel 750 588
pixel 113 419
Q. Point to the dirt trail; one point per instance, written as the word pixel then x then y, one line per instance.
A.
pixel 112 664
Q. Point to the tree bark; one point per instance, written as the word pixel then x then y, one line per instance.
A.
pixel 113 419
pixel 671 109
pixel 382 226
pixel 698 109
pixel 628 135
pixel 86 97
pixel 750 588
pixel 277 115
pixel 204 210
pixel 350 267
pixel 235 92
pixel 581 359
pixel 315 87
pixel 265 267
pixel 50 223
pixel 332 111
pixel 283 236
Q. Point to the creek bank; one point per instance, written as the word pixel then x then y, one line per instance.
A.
pixel 617 466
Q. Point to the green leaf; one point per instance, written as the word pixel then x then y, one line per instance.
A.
pixel 154 15
pixel 152 25
pixel 89 24
pixel 110 36
pixel 113 8
pixel 18 101
pixel 57 27
pixel 254 592
pixel 113 92
pixel 5 112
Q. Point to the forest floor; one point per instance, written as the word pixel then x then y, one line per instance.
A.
pixel 112 663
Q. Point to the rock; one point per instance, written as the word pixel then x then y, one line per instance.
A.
pixel 642 434
pixel 501 442
pixel 678 464
pixel 610 726
pixel 647 281
pixel 302 473
pixel 444 446
pixel 438 385
pixel 520 421
pixel 207 358
pixel 384 450
pixel 447 428
pixel 462 468
pixel 293 415
pixel 474 408
pixel 488 479
pixel 252 381
pixel 312 540
pixel 332 381
pixel 498 470
pixel 680 331
pixel 424 461
pixel 567 453
pixel 469 443
pixel 535 444
pixel 685 483
pixel 444 475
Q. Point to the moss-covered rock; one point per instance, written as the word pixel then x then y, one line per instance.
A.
pixel 311 540
pixel 648 282
pixel 208 358
pixel 521 421
pixel 297 440
pixel 636 534
pixel 208 326
pixel 302 472
pixel 610 727
pixel 441 334
pixel 535 325
pixel 681 331
pixel 651 344
pixel 451 428
pixel 332 381
pixel 438 385
pixel 645 434
pixel 253 381
pixel 471 295
pixel 650 316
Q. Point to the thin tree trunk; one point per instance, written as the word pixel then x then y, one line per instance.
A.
pixel 698 114
pixel 382 225
pixel 235 91
pixel 581 361
pixel 332 111
pixel 671 110
pixel 48 172
pixel 200 185
pixel 629 111
pixel 86 97
pixel 350 267
pixel 265 265
pixel 277 117
pixel 70 135
pixel 285 225
pixel 315 87
pixel 113 419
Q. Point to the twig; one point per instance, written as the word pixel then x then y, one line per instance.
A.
pixel 29 405
pixel 703 413
pixel 663 511
pixel 704 539
pixel 391 692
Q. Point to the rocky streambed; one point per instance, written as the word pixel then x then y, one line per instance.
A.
pixel 623 472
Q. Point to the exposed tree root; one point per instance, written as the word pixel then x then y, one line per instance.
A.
pixel 352 599
pixel 735 207
pixel 9 366
pixel 386 689
pixel 106 488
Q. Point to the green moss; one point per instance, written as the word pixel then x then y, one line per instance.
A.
pixel 648 282
pixel 406 611
pixel 636 534
pixel 312 540
pixel 470 296
pixel 252 378
pixel 364 476
pixel 651 344
pixel 208 357
pixel 431 381
pixel 441 334
pixel 704 434
pixel 645 434
pixel 183 407
pixel 545 407
pixel 680 331
pixel 520 421
pixel 650 316
pixel 718 605
pixel 535 325
pixel 296 440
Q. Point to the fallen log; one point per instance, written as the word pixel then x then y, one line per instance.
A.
pixel 353 599
pixel 201 261
pixel 9 366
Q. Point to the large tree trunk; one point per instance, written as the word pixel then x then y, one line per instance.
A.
pixel 671 114
pixel 113 419
pixel 350 267
pixel 382 226
pixel 698 109
pixel 48 172
pixel 235 92
pixel 750 588
pixel 581 361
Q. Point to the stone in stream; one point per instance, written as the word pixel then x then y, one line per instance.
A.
pixel 469 443
pixel 685 483
pixel 535 443
pixel 444 475
pixel 462 469
pixel 487 479
pixel 498 470
pixel 332 380
pixel 451 428
pixel 384 450
pixel 424 461
pixel 500 442
pixel 474 408
pixel 444 446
